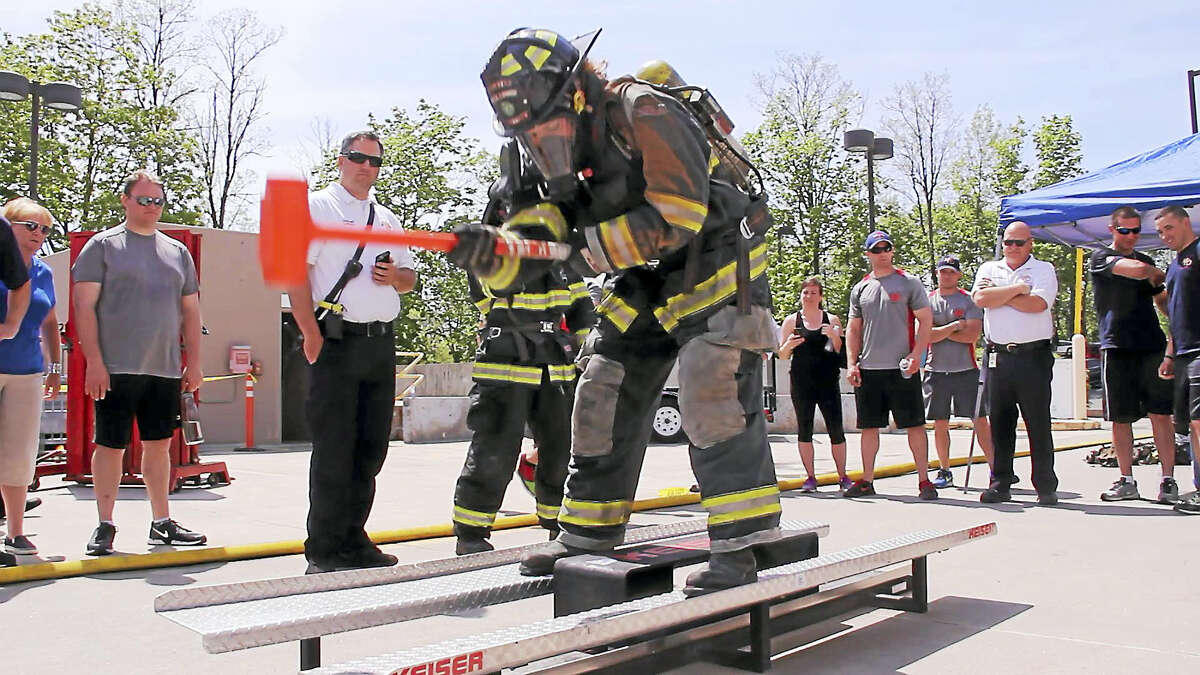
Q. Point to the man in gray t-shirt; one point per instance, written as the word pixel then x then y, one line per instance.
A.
pixel 883 353
pixel 951 374
pixel 135 295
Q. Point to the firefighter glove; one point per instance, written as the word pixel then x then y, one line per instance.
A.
pixel 475 250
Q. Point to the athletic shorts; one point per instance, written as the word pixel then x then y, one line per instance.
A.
pixel 1132 386
pixel 1187 390
pixel 884 391
pixel 953 392
pixel 153 401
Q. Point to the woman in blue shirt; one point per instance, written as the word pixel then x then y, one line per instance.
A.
pixel 23 360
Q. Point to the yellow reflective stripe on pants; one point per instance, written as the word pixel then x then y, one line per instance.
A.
pixel 595 514
pixel 617 311
pixel 471 518
pixel 709 292
pixel 548 511
pixel 563 373
pixel 507 372
pixel 742 505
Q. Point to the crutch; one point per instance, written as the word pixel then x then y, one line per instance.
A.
pixel 983 378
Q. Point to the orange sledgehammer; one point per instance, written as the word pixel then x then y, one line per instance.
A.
pixel 286 229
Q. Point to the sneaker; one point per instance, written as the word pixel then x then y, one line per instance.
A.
pixel 844 484
pixel 945 479
pixel 172 533
pixel 927 491
pixel 809 485
pixel 101 542
pixel 527 472
pixel 995 495
pixel 860 488
pixel 1189 504
pixel 7 559
pixel 1168 491
pixel 19 545
pixel 1121 489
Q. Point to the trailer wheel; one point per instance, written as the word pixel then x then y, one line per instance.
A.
pixel 668 421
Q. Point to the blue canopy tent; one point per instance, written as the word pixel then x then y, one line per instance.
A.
pixel 1076 212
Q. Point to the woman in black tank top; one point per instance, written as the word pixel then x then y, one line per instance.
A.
pixel 813 341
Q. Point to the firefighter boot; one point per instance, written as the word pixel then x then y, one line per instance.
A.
pixel 540 562
pixel 468 544
pixel 724 570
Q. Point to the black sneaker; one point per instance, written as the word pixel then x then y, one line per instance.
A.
pixel 101 542
pixel 172 533
pixel 19 545
pixel 861 488
pixel 7 559
pixel 995 496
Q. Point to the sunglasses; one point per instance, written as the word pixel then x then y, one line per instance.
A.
pixel 1129 230
pixel 1015 242
pixel 360 157
pixel 880 249
pixel 147 201
pixel 33 227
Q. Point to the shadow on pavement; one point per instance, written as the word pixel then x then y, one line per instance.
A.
pixel 891 645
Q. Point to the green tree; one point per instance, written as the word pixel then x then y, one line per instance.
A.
pixel 433 178
pixel 1059 158
pixel 813 184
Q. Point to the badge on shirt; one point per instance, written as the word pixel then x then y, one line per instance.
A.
pixel 959 312
pixel 1186 262
pixel 894 297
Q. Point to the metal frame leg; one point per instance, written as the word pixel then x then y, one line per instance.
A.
pixel 310 653
pixel 916 596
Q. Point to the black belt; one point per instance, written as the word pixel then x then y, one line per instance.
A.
pixel 1017 347
pixel 369 329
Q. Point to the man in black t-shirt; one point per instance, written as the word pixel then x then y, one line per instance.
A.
pixel 1127 287
pixel 14 274
pixel 1183 309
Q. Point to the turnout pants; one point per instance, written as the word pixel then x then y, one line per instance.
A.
pixel 720 390
pixel 1022 380
pixel 498 414
pixel 350 403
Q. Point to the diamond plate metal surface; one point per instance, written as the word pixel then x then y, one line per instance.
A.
pixel 605 625
pixel 293 608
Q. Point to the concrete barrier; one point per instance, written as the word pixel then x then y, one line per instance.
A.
pixel 429 419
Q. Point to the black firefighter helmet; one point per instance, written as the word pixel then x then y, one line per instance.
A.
pixel 528 77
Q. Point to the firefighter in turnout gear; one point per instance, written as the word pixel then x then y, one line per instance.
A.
pixel 648 201
pixel 524 373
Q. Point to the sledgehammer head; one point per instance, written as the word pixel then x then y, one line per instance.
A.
pixel 285 231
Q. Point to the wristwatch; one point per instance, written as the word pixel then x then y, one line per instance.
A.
pixel 55 369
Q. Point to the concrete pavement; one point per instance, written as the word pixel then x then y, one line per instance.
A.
pixel 1083 587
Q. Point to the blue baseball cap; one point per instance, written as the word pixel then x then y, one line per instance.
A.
pixel 874 238
pixel 949 262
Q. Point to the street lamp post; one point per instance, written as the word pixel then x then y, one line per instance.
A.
pixel 875 148
pixel 56 95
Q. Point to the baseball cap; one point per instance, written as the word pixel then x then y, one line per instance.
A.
pixel 876 237
pixel 950 261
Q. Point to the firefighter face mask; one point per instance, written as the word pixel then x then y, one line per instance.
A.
pixel 551 146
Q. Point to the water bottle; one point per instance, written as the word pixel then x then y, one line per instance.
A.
pixel 189 414
pixel 828 341
pixel 904 363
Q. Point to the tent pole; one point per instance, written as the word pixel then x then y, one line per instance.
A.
pixel 1079 290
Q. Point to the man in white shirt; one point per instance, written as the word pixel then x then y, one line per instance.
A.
pixel 1016 294
pixel 349 343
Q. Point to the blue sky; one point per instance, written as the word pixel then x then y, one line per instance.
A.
pixel 1118 68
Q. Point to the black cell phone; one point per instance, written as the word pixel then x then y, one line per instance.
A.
pixel 797 331
pixel 386 256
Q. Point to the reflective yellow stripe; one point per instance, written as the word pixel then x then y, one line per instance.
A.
pixel 678 211
pixel 582 332
pixel 709 292
pixel 484 305
pixel 548 35
pixel 547 511
pixel 713 160
pixel 537 55
pixel 333 307
pixel 473 518
pixel 563 373
pixel 537 302
pixel 506 275
pixel 743 505
pixel 619 244
pixel 595 514
pixel 579 291
pixel 507 372
pixel 509 65
pixel 617 311
pixel 545 214
pixel 745 514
